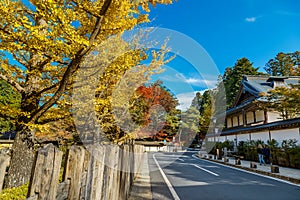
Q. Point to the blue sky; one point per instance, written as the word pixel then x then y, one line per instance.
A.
pixel 227 30
pixel 209 36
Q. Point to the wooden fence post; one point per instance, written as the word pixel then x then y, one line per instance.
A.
pixel 101 172
pixel 125 173
pixel 138 155
pixel 84 174
pixel 116 170
pixel 4 162
pixel 44 180
pixel 95 172
pixel 110 179
pixel 74 169
pixel 131 163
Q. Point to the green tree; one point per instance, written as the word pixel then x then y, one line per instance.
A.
pixel 203 105
pixel 172 123
pixel 206 112
pixel 233 76
pixel 284 64
pixel 285 100
pixel 10 102
pixel 219 95
pixel 189 126
pixel 296 60
pixel 196 102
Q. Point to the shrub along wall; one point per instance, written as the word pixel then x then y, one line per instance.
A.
pixel 287 154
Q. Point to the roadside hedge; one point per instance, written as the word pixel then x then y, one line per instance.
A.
pixel 287 154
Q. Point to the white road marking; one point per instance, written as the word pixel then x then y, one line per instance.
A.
pixel 173 155
pixel 172 190
pixel 180 159
pixel 249 172
pixel 205 170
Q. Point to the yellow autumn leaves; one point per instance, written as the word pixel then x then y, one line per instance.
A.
pixel 50 39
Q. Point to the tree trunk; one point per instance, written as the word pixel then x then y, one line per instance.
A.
pixel 22 160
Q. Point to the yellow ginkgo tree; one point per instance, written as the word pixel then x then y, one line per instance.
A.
pixel 46 42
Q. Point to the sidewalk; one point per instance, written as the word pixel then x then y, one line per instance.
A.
pixel 285 173
pixel 141 189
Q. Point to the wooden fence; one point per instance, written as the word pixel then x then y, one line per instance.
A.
pixel 91 172
pixel 4 162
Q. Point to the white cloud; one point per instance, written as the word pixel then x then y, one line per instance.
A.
pixel 193 81
pixel 196 81
pixel 171 78
pixel 185 99
pixel 201 82
pixel 251 19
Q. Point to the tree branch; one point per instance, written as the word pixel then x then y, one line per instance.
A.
pixel 45 121
pixel 13 83
pixel 48 88
pixel 72 67
pixel 22 62
pixel 98 25
pixel 105 7
pixel 41 64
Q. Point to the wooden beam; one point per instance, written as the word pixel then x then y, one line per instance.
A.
pixel 6 141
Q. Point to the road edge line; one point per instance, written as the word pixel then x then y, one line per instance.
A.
pixel 172 190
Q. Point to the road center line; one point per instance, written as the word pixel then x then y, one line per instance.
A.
pixel 253 173
pixel 172 190
pixel 205 170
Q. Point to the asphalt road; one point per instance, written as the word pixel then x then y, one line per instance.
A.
pixel 182 176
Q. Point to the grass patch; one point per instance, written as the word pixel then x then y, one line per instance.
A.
pixel 17 193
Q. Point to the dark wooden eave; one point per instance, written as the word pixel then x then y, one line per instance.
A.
pixel 284 124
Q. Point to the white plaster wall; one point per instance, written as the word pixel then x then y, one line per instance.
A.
pixel 231 137
pixel 280 135
pixel 241 120
pixel 259 115
pixel 250 117
pixel 229 124
pixel 221 139
pixel 235 121
pixel 243 137
pixel 273 117
pixel 264 136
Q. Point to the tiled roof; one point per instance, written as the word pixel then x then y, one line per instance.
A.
pixel 256 85
pixel 262 84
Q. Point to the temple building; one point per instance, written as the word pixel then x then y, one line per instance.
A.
pixel 246 121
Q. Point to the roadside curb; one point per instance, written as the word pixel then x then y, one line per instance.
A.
pixel 286 178
pixel 141 188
